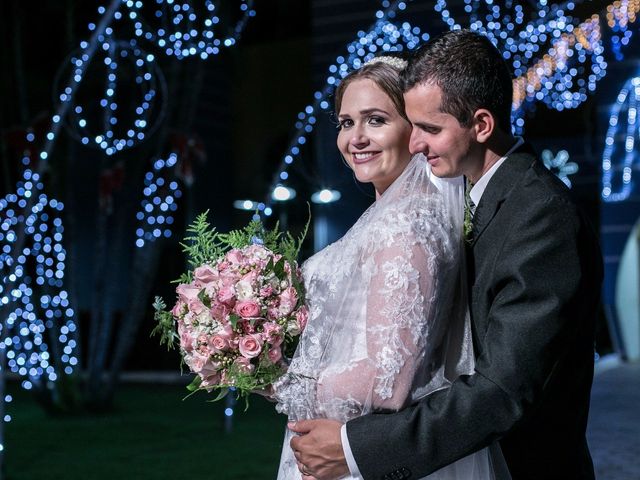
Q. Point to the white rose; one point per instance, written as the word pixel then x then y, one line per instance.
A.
pixel 215 327
pixel 293 328
pixel 204 318
pixel 261 253
pixel 244 291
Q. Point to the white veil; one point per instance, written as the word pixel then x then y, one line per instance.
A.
pixel 388 312
pixel 388 321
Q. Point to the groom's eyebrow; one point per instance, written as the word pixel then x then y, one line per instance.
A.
pixel 424 126
pixel 368 111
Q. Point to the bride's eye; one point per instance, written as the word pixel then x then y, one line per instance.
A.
pixel 344 123
pixel 376 120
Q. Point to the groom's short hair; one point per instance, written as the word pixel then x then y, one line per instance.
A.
pixel 469 71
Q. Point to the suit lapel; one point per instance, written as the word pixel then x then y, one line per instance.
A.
pixel 506 178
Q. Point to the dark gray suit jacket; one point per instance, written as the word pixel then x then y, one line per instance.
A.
pixel 535 272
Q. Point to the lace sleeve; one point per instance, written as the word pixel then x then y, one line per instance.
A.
pixel 402 318
pixel 381 306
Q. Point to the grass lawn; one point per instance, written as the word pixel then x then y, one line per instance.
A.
pixel 151 434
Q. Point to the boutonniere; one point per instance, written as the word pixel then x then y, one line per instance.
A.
pixel 468 224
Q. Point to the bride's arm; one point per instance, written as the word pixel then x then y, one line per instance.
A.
pixel 399 320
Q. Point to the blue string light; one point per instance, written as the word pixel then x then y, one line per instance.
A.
pixel 562 76
pixel 124 121
pixel 622 136
pixel 31 290
pixel 160 193
pixel 188 30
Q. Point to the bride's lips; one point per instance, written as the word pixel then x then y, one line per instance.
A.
pixel 364 157
pixel 432 158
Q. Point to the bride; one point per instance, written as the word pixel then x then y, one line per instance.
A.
pixel 388 318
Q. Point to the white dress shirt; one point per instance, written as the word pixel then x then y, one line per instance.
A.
pixel 476 194
pixel 479 187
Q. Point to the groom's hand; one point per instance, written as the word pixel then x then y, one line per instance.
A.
pixel 319 448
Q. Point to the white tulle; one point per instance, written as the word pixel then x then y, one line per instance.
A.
pixel 388 318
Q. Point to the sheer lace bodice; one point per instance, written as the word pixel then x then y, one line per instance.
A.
pixel 388 321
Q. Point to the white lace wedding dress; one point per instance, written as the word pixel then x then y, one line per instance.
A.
pixel 388 319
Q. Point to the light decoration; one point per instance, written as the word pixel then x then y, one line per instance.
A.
pixel 160 193
pixel 30 244
pixel 619 15
pixel 248 205
pixel 67 96
pixel 188 30
pixel 283 194
pixel 126 116
pixel 560 165
pixel 384 36
pixel 562 78
pixel 586 37
pixel 325 196
pixel 622 136
pixel 32 319
pixel 26 237
pixel 564 75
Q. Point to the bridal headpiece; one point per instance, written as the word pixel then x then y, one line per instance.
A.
pixel 396 62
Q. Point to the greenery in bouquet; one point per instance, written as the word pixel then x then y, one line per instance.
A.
pixel 240 307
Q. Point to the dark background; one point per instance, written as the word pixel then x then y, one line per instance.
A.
pixel 241 106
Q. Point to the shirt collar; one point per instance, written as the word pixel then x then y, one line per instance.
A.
pixel 478 188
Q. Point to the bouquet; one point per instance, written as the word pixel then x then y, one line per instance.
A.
pixel 239 309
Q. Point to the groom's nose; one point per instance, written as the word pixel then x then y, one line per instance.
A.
pixel 417 144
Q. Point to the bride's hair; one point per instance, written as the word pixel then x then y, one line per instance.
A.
pixel 384 71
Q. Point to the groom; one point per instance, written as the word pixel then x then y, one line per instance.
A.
pixel 535 273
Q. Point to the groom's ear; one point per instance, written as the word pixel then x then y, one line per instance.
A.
pixel 484 124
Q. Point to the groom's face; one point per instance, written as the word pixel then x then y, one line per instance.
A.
pixel 450 148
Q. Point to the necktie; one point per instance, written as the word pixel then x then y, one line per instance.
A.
pixel 469 209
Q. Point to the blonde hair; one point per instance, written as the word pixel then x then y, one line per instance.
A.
pixel 384 75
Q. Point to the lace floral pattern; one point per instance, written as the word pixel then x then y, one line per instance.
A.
pixel 376 301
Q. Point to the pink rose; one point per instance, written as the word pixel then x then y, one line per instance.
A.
pixel 288 301
pixel 186 340
pixel 272 333
pixel 205 274
pixel 210 379
pixel 220 312
pixel 229 278
pixel 266 291
pixel 247 309
pixel 187 292
pixel 302 315
pixel 273 313
pixel 251 276
pixel 219 343
pixel 178 309
pixel 234 257
pixel 196 306
pixel 244 364
pixel 274 354
pixel 226 332
pixel 247 326
pixel 202 344
pixel 196 361
pixel 227 295
pixel 250 346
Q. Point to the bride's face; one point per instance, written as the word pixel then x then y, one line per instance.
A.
pixel 373 137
